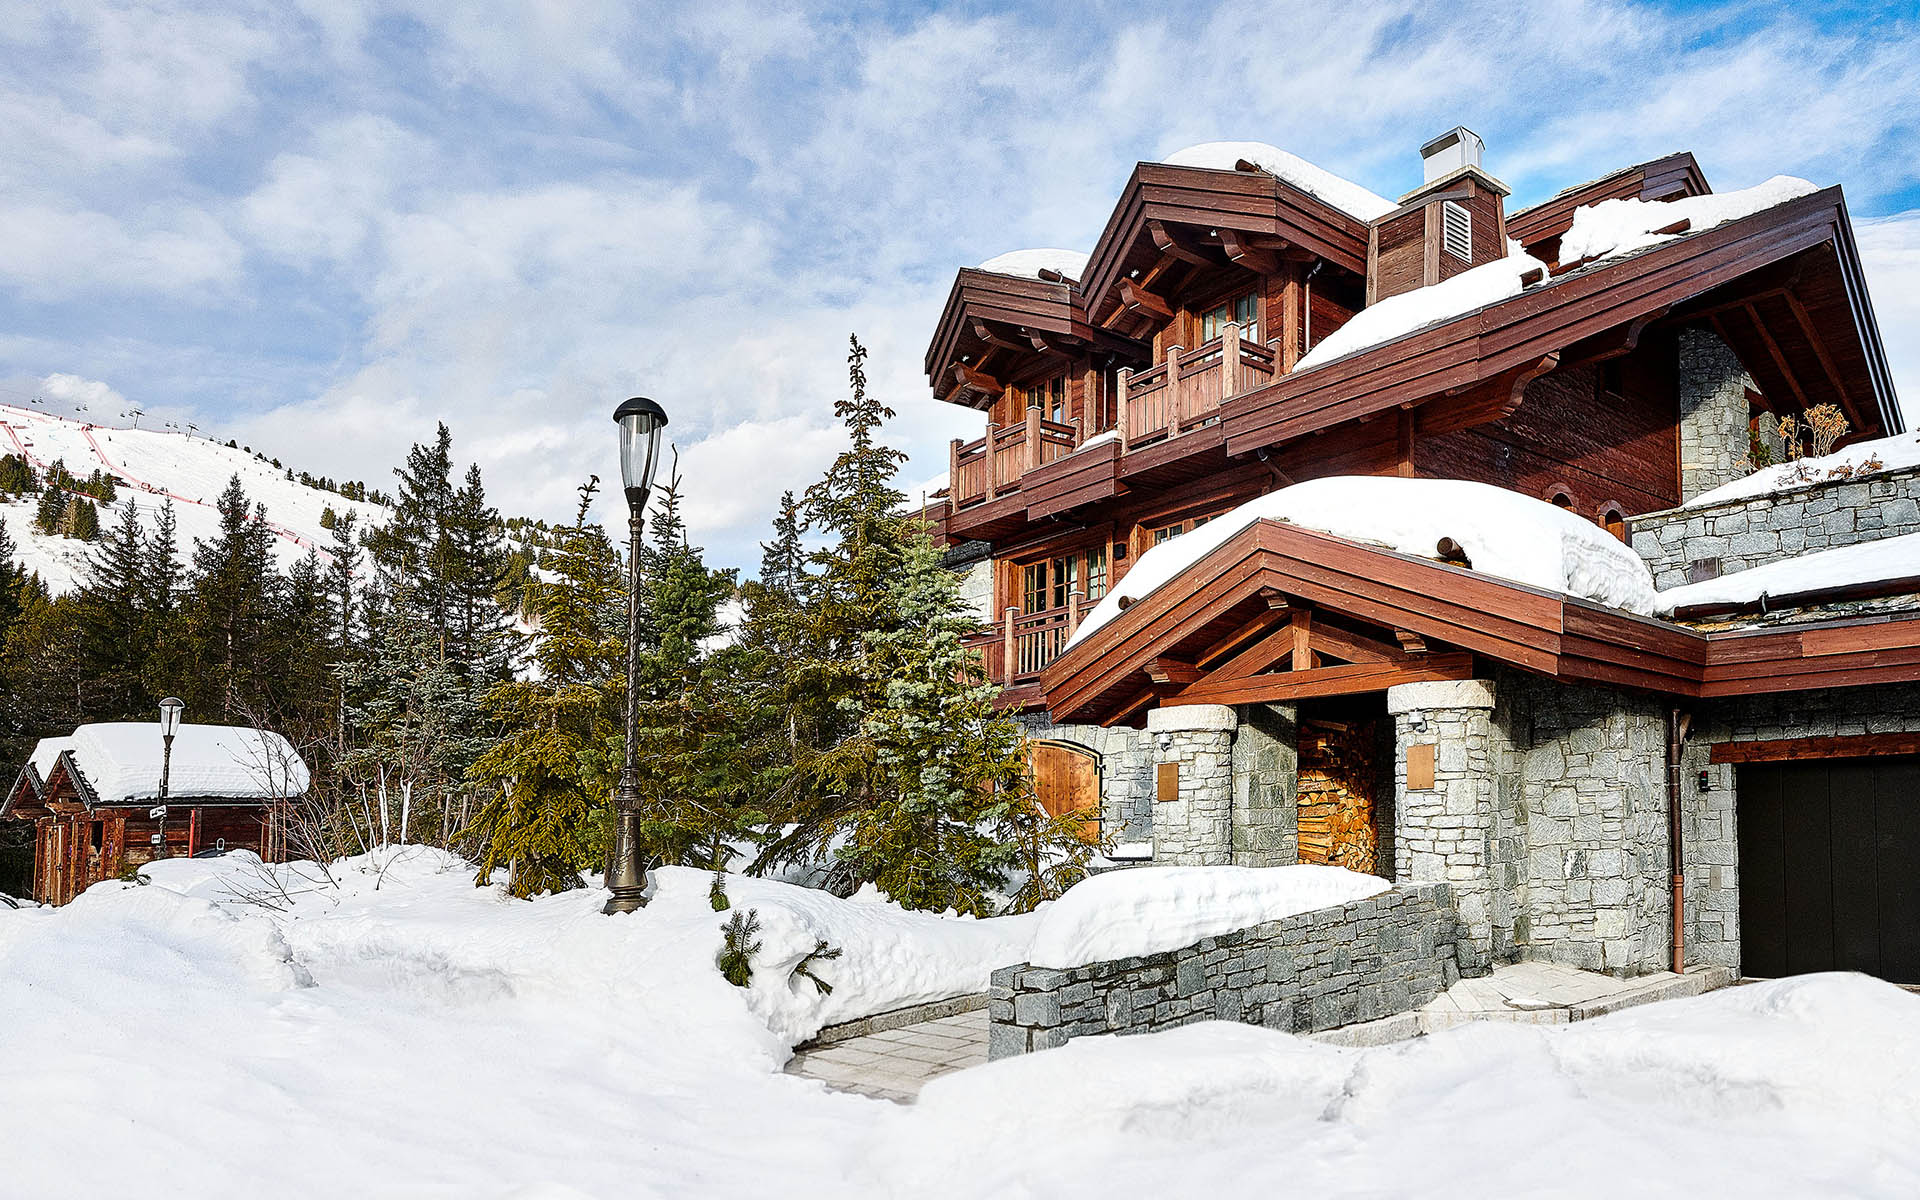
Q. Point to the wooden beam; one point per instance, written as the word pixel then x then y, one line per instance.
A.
pixel 993 337
pixel 1245 254
pixel 1864 745
pixel 1141 302
pixel 1302 639
pixel 1410 642
pixel 1354 647
pixel 1039 343
pixel 977 381
pixel 1326 681
pixel 1263 623
pixel 1819 347
pixel 1773 352
pixel 1166 243
pixel 1173 670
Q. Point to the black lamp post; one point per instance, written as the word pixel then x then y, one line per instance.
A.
pixel 170 710
pixel 640 421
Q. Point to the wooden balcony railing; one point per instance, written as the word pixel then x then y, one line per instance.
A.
pixel 983 469
pixel 1187 389
pixel 1019 646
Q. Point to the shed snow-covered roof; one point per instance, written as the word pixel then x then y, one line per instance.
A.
pixel 1344 194
pixel 1502 532
pixel 1885 561
pixel 120 762
pixel 48 752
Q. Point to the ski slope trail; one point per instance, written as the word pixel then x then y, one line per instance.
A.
pixel 152 467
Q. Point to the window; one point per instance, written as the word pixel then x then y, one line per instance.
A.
pixel 1613 519
pixel 1456 230
pixel 1242 311
pixel 1167 533
pixel 1560 497
pixel 1051 583
pixel 1050 397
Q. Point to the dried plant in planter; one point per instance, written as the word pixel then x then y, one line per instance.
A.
pixel 1827 424
pixel 1788 427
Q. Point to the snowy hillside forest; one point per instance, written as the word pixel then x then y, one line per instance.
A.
pixel 458 679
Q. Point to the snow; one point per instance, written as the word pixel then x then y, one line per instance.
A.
pixel 1343 194
pixel 1029 263
pixel 1503 533
pixel 1098 439
pixel 1801 1087
pixel 1895 453
pixel 156 463
pixel 1397 316
pixel 46 752
pixel 1122 914
pixel 238 1031
pixel 121 760
pixel 1613 228
pixel 1866 562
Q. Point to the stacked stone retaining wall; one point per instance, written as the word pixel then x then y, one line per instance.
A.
pixel 1372 958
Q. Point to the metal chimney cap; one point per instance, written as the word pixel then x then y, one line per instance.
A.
pixel 1456 148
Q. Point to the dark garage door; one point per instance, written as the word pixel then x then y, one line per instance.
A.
pixel 1830 868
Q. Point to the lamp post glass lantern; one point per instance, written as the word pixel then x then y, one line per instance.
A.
pixel 640 421
pixel 170 710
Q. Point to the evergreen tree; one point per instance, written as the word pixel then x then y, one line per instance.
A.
pixel 111 628
pixel 543 786
pixel 480 636
pixel 82 520
pixel 51 512
pixel 230 603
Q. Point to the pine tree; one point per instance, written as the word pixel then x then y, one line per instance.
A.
pixel 230 602
pixel 111 627
pixel 51 512
pixel 481 640
pixel 544 785
pixel 82 520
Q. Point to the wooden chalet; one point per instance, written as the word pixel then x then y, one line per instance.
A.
pixel 96 811
pixel 1172 376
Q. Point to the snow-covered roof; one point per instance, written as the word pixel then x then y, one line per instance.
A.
pixel 1893 453
pixel 120 761
pixel 1608 230
pixel 1344 194
pixel 46 752
pixel 1029 263
pixel 1613 228
pixel 1503 533
pixel 1873 562
pixel 1397 316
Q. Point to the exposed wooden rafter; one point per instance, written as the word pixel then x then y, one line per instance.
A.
pixel 1244 253
pixel 1165 241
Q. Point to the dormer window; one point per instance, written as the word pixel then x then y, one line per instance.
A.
pixel 1243 311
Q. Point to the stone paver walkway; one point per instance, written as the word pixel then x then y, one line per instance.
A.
pixel 892 1064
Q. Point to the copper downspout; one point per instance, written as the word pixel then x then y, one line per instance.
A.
pixel 1676 735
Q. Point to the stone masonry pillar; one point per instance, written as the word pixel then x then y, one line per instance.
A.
pixel 1193 801
pixel 1713 413
pixel 1448 830
pixel 1266 787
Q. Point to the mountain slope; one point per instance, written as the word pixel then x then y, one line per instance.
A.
pixel 153 466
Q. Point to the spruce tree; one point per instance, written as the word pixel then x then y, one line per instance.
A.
pixel 51 512
pixel 111 628
pixel 544 785
pixel 230 603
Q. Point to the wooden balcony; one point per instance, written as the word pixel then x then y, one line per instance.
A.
pixel 1187 389
pixel 995 465
pixel 1019 646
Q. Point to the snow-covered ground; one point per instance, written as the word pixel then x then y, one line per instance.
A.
pixel 155 465
pixel 223 1033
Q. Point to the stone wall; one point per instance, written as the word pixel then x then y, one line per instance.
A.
pixel 1713 413
pixel 1710 841
pixel 1195 826
pixel 1126 772
pixel 1734 536
pixel 1594 800
pixel 1372 958
pixel 1455 831
pixel 1266 830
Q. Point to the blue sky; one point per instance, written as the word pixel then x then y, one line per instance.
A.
pixel 321 225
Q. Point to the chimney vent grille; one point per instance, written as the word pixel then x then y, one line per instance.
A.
pixel 1456 230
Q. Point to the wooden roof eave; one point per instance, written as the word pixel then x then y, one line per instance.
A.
pixel 1159 192
pixel 1008 299
pixel 26 784
pixel 1478 346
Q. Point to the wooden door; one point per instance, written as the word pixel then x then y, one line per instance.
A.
pixel 1066 779
pixel 1830 868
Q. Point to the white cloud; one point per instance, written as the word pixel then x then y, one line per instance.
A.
pixel 52 253
pixel 1890 257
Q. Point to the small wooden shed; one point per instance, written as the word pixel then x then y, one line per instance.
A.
pixel 94 800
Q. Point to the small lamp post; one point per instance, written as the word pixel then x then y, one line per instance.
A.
pixel 640 421
pixel 170 710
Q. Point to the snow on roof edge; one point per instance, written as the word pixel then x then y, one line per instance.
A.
pixel 1027 264
pixel 1344 194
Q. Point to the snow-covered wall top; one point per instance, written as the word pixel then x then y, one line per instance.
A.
pixel 1857 461
pixel 1503 533
pixel 121 762
pixel 1343 194
pixel 1029 263
pixel 153 466
pixel 1878 561
pixel 1399 315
